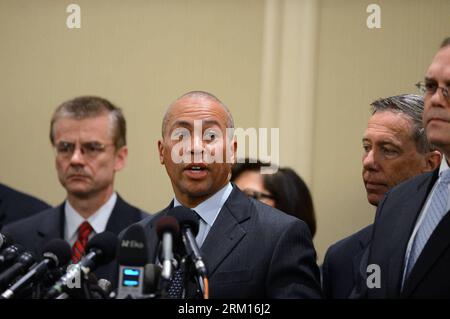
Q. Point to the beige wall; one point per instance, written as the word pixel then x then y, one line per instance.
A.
pixel 143 54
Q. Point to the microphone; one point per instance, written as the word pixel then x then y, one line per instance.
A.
pixel 23 263
pixel 168 230
pixel 132 256
pixel 9 254
pixel 101 250
pixel 189 229
pixel 5 241
pixel 105 286
pixel 56 253
pixel 152 275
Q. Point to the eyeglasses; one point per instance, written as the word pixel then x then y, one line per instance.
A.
pixel 258 195
pixel 89 149
pixel 431 88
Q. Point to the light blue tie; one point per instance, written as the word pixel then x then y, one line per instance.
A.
pixel 436 210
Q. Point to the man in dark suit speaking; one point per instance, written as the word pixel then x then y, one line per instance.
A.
pixel 411 242
pixel 89 137
pixel 251 250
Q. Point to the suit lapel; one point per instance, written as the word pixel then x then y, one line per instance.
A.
pixel 51 226
pixel 437 243
pixel 226 232
pixel 122 216
pixel 404 223
pixel 364 241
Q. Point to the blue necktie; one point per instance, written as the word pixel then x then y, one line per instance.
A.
pixel 435 212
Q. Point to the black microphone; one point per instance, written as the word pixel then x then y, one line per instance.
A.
pixel 101 250
pixel 56 253
pixel 9 254
pixel 152 275
pixel 168 231
pixel 23 263
pixel 189 229
pixel 5 241
pixel 132 256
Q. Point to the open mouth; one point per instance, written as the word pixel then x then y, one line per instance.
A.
pixel 196 167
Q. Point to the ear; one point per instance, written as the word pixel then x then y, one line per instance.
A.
pixel 432 160
pixel 233 150
pixel 121 158
pixel 161 151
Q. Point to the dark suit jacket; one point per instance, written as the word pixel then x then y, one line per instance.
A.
pixel 34 232
pixel 341 266
pixel 15 205
pixel 394 224
pixel 253 251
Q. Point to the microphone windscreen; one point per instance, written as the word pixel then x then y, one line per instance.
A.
pixel 60 248
pixel 167 224
pixel 132 248
pixel 106 242
pixel 186 217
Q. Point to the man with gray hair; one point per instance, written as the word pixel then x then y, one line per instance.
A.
pixel 410 239
pixel 395 148
pixel 88 135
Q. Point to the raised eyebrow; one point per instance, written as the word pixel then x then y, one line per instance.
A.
pixel 189 124
pixel 211 122
pixel 180 123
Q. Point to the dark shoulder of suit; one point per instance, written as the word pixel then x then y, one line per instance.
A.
pixel 394 224
pixel 254 251
pixel 15 205
pixel 341 264
pixel 36 231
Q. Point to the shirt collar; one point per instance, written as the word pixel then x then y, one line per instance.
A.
pixel 444 165
pixel 98 220
pixel 210 208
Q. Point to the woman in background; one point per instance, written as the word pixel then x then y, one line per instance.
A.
pixel 284 190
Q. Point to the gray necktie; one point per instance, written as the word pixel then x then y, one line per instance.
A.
pixel 435 212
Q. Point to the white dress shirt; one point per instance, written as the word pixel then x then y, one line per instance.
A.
pixel 98 220
pixel 208 211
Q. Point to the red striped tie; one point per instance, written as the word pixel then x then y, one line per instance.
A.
pixel 78 248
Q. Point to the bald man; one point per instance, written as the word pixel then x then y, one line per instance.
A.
pixel 251 250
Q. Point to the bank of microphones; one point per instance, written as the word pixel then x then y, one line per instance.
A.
pixel 141 274
pixel 51 275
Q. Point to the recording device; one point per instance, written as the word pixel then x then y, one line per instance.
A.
pixel 189 228
pixel 9 254
pixel 132 255
pixel 23 263
pixel 100 250
pixel 56 253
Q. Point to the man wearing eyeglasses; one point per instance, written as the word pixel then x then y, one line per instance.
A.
pixel 395 149
pixel 89 138
pixel 410 243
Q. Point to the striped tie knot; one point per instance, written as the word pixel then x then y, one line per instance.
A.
pixel 79 247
